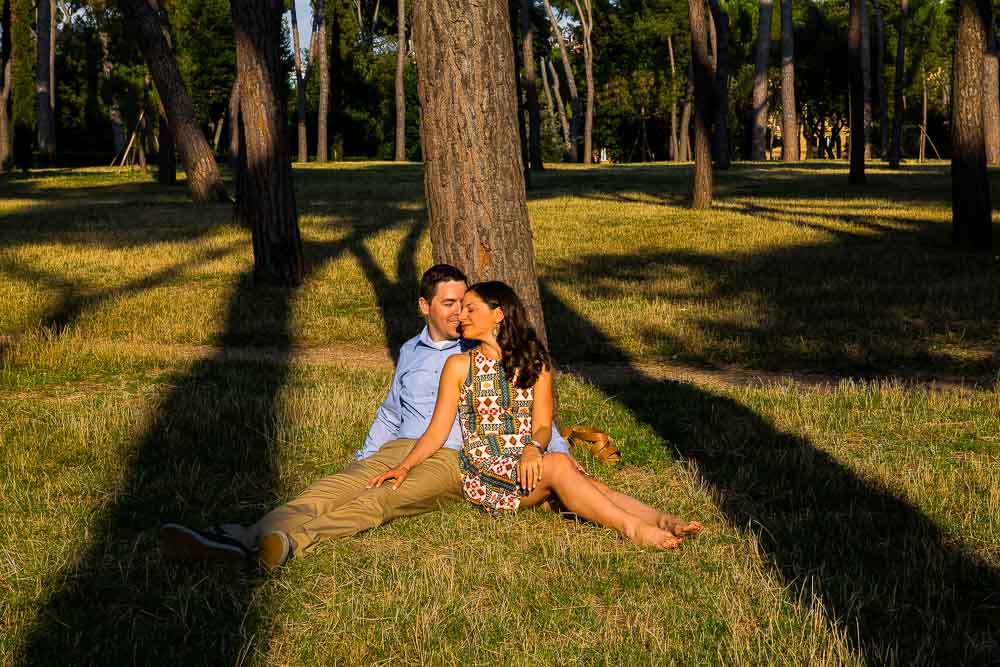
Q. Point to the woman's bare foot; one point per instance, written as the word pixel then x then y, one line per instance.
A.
pixel 652 536
pixel 678 526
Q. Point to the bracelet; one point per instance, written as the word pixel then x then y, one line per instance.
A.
pixel 537 445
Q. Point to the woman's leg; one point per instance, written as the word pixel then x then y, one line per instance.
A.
pixel 664 520
pixel 584 499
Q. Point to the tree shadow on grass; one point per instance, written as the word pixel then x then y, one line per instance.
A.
pixel 904 591
pixel 210 444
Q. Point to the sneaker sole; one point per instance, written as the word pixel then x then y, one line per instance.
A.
pixel 180 543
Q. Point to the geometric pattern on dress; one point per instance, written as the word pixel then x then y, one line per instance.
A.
pixel 496 425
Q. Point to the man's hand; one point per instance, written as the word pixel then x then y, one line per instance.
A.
pixel 529 468
pixel 398 473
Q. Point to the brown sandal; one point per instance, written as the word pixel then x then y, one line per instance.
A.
pixel 598 443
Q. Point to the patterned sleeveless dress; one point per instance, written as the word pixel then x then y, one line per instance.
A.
pixel 496 425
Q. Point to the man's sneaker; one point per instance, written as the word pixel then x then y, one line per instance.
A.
pixel 179 542
pixel 275 550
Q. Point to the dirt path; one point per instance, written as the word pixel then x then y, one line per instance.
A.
pixel 358 356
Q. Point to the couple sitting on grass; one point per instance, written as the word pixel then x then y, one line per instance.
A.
pixel 468 415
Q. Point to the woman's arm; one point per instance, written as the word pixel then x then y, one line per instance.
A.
pixel 529 468
pixel 449 388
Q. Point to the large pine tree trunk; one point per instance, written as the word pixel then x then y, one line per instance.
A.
pixel 300 89
pixel 701 185
pixel 167 155
pixel 720 137
pixel 196 155
pixel 574 97
pixel 857 96
pixel 895 152
pixel 473 179
pixel 43 32
pixel 400 81
pixel 684 139
pixel 991 98
pixel 883 111
pixel 530 88
pixel 53 12
pixel 970 188
pixel 866 79
pixel 323 111
pixel 268 205
pixel 563 121
pixel 587 21
pixel 5 85
pixel 789 119
pixel 758 130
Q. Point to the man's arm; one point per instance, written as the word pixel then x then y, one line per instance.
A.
pixel 388 417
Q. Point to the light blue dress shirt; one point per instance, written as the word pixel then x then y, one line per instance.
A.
pixel 407 409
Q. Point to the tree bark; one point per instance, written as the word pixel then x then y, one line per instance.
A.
pixel 514 9
pixel 473 179
pixel 685 131
pixel 720 137
pixel 269 198
pixel 763 48
pixel 5 86
pixel 563 121
pixel 586 13
pixel 300 89
pixel 895 152
pixel 857 96
pixel 991 98
pixel 323 106
pixel 971 209
pixel 234 127
pixel 531 89
pixel 196 155
pixel 923 118
pixel 400 81
pixel 167 156
pixel 883 111
pixel 866 79
pixel 44 110
pixel 52 73
pixel 701 185
pixel 789 119
pixel 574 97
pixel 673 102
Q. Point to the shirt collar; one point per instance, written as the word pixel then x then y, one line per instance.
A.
pixel 425 338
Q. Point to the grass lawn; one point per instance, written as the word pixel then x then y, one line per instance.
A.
pixel 851 521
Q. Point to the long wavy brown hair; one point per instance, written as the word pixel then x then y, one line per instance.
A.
pixel 524 354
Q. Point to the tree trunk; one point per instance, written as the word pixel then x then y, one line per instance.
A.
pixel 234 128
pixel 685 134
pixel 5 86
pixel 269 206
pixel 673 103
pixel 563 121
pixel 866 79
pixel 574 97
pixel 763 48
pixel 857 95
pixel 895 153
pixel 473 180
pixel 991 98
pixel 323 110
pixel 701 185
pixel 789 120
pixel 196 155
pixel 114 111
pixel 721 135
pixel 923 118
pixel 52 73
pixel 300 89
pixel 44 110
pixel 400 81
pixel 971 210
pixel 587 21
pixel 883 111
pixel 530 89
pixel 167 155
pixel 514 9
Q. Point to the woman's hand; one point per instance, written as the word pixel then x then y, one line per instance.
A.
pixel 529 468
pixel 398 473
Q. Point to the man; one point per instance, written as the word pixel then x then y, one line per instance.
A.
pixel 340 505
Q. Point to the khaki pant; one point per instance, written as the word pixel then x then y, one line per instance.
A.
pixel 340 506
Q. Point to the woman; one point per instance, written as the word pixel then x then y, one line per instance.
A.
pixel 503 393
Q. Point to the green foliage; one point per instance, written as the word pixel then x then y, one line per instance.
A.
pixel 23 85
pixel 202 32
